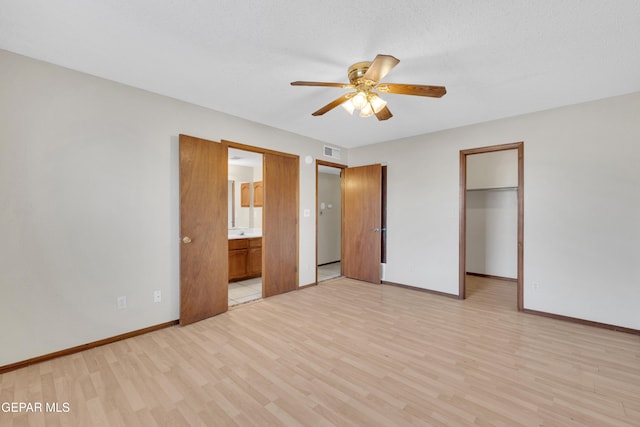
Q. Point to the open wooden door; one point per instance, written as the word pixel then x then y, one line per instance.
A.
pixel 280 227
pixel 204 261
pixel 362 222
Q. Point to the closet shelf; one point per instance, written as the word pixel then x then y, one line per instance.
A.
pixel 494 189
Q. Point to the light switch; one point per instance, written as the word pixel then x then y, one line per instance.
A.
pixel 307 213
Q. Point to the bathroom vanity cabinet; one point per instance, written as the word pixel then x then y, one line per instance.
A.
pixel 245 258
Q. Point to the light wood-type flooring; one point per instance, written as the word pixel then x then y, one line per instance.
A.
pixel 348 353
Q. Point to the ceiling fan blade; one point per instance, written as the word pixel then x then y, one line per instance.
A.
pixel 418 90
pixel 380 67
pixel 384 114
pixel 333 104
pixel 340 85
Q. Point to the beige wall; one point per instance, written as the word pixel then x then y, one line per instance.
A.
pixel 89 203
pixel 581 207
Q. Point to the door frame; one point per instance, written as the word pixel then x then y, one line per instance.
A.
pixel 462 266
pixel 337 166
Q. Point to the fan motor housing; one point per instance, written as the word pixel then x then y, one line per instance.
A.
pixel 357 71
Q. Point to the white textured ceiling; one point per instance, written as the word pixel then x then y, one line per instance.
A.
pixel 497 58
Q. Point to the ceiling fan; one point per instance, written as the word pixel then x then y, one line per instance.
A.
pixel 365 78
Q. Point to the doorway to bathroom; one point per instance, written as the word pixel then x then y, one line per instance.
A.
pixel 245 203
pixel 204 225
pixel 278 193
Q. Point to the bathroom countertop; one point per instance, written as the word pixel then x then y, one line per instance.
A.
pixel 243 236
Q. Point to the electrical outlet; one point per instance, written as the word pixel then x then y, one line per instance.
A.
pixel 157 296
pixel 535 285
pixel 122 302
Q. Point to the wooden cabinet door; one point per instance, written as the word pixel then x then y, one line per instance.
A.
pixel 254 260
pixel 362 222
pixel 203 229
pixel 245 195
pixel 280 219
pixel 257 194
pixel 238 251
pixel 237 264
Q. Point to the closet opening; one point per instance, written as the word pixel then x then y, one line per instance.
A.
pixel 491 219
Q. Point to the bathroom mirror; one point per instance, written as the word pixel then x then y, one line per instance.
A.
pixel 245 191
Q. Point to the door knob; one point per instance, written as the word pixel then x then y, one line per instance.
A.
pixel 186 239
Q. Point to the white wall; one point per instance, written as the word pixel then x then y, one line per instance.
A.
pixel 329 218
pixel 89 203
pixel 492 232
pixel 495 169
pixel 581 207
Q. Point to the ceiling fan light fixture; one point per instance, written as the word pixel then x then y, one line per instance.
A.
pixel 366 111
pixel 377 103
pixel 364 79
pixel 348 106
pixel 359 101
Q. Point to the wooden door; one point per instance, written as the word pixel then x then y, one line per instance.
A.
pixel 203 229
pixel 280 229
pixel 362 222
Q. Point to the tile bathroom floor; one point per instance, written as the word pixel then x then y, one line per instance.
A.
pixel 251 289
pixel 245 291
